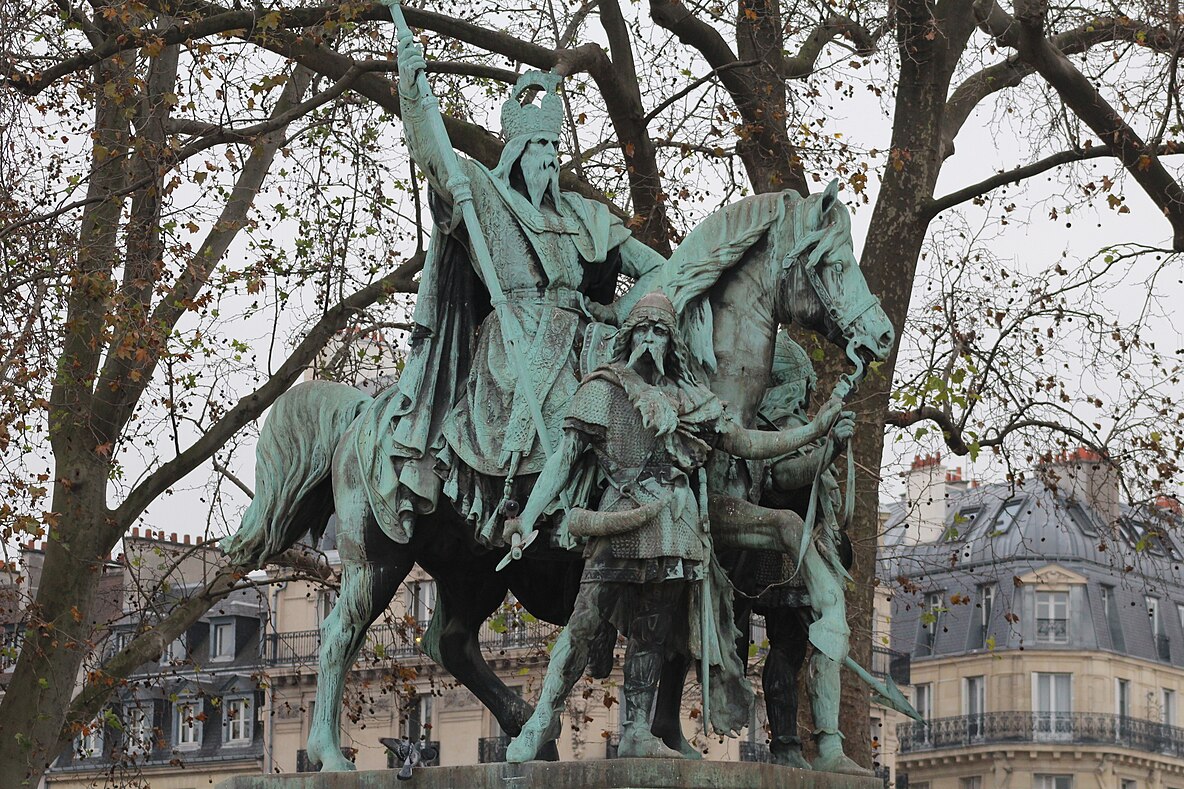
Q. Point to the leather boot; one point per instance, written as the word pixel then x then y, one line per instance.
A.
pixel 642 671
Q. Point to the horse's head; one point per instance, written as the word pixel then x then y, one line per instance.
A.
pixel 821 287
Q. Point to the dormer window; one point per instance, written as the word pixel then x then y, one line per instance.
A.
pixel 963 520
pixel 137 729
pixel 237 721
pixel 1081 518
pixel 175 652
pixel 90 742
pixel 222 640
pixel 1144 536
pixel 1007 515
pixel 187 724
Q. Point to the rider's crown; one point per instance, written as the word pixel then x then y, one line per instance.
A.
pixel 543 119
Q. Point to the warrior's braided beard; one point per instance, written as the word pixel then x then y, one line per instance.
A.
pixel 656 411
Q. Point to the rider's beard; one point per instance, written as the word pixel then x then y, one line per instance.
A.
pixel 648 349
pixel 538 178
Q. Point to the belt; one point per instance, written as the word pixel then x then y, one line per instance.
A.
pixel 565 298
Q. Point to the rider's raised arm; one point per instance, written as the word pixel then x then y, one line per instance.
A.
pixel 427 150
pixel 766 444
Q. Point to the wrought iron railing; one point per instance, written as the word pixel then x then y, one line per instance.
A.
pixel 1077 728
pixel 382 642
pixel 754 752
pixel 1052 631
pixel 492 749
pixel 387 642
pixel 890 663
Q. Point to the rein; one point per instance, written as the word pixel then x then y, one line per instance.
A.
pixel 796 262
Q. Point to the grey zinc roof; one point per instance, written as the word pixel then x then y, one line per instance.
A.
pixel 1121 564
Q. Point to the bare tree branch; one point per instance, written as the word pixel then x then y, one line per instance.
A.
pixel 252 405
pixel 1026 33
pixel 1018 174
pixel 802 64
pixel 1012 71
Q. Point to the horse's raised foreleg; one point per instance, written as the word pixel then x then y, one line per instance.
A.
pixel 372 567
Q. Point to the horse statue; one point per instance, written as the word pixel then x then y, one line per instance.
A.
pixel 754 265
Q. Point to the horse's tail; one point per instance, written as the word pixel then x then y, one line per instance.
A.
pixel 293 460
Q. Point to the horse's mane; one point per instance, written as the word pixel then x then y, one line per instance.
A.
pixel 720 242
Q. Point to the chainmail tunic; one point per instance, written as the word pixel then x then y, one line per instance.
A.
pixel 642 468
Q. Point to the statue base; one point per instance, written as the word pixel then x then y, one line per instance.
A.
pixel 602 774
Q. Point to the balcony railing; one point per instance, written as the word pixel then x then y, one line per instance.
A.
pixel 1052 631
pixel 890 663
pixel 492 749
pixel 1076 728
pixel 754 752
pixel 383 642
pixel 387 642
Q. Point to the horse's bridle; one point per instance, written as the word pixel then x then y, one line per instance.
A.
pixel 797 260
pixel 805 257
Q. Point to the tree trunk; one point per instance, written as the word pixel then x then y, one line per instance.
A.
pixel 60 624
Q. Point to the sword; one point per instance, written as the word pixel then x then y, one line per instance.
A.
pixel 705 611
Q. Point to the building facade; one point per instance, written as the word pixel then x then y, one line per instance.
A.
pixel 235 694
pixel 191 717
pixel 1046 627
pixel 396 691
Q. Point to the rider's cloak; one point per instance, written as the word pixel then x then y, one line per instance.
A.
pixel 455 407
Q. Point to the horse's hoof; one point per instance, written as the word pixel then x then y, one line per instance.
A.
pixel 792 758
pixel 680 743
pixel 332 760
pixel 637 743
pixel 535 741
pixel 338 765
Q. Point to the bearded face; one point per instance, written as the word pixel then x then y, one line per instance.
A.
pixel 540 168
pixel 650 340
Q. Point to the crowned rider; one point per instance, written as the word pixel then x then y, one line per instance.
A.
pixel 461 414
pixel 650 426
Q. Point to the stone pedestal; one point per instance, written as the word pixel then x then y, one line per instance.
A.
pixel 605 774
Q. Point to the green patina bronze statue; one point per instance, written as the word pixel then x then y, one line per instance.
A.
pixel 517 302
pixel 650 426
pixel 807 607
pixel 551 269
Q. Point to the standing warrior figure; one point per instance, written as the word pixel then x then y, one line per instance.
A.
pixel 478 414
pixel 650 427
pixel 784 594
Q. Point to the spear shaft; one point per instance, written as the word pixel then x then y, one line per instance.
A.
pixel 462 195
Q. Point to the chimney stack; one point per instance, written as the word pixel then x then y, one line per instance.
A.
pixel 1089 478
pixel 926 484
